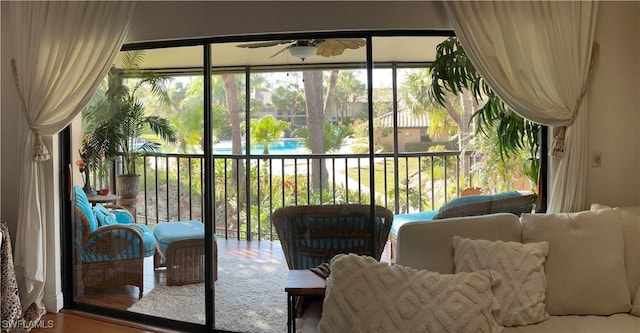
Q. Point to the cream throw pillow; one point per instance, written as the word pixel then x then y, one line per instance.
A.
pixel 585 268
pixel 522 288
pixel 364 295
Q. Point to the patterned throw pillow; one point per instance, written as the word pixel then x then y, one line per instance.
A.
pixel 521 292
pixel 364 295
pixel 104 216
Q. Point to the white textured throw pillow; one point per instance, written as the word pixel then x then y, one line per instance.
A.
pixel 364 295
pixel 585 268
pixel 522 289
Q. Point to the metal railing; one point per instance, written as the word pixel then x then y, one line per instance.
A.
pixel 247 188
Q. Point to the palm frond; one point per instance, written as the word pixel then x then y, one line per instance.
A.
pixel 118 119
pixel 453 72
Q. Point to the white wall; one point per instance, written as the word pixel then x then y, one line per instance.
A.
pixel 614 107
pixel 223 18
pixel 614 102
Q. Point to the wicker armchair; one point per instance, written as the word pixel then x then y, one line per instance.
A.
pixel 312 235
pixel 109 255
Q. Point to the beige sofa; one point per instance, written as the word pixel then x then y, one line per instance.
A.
pixel 592 266
pixel 574 272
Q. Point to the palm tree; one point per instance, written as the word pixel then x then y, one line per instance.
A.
pixel 448 117
pixel 266 130
pixel 332 137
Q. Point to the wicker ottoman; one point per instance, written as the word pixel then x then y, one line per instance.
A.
pixel 180 248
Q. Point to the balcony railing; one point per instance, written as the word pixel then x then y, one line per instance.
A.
pixel 247 188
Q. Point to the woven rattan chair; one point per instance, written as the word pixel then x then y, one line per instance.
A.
pixel 109 255
pixel 312 235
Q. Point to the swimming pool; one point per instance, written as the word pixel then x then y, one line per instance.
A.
pixel 280 147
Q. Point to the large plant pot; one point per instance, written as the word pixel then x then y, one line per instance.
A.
pixel 127 186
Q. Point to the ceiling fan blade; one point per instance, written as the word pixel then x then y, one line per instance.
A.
pixel 325 51
pixel 344 43
pixel 282 50
pixel 264 44
pixel 334 47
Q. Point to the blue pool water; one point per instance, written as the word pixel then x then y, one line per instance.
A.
pixel 280 147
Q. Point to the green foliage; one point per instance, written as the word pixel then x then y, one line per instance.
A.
pixel 360 130
pixel 290 100
pixel 453 72
pixel 360 146
pixel 116 122
pixel 333 136
pixel 266 130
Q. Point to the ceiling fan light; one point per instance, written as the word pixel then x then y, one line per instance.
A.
pixel 302 52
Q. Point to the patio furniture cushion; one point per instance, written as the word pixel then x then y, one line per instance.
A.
pixel 466 206
pixel 122 215
pixel 513 202
pixel 104 216
pixel 131 252
pixel 169 232
pixel 99 216
pixel 82 202
pixel 147 238
pixel 505 202
pixel 148 241
pixel 401 219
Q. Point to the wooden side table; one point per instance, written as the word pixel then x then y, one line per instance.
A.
pixel 96 199
pixel 301 282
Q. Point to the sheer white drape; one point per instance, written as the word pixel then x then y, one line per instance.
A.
pixel 62 51
pixel 537 56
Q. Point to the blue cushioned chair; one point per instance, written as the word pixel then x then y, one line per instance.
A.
pixel 109 247
pixel 312 235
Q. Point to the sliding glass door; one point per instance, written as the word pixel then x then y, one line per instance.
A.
pixel 247 127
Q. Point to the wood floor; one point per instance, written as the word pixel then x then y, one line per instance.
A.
pixel 123 297
pixel 70 321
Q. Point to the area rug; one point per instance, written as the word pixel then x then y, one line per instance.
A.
pixel 249 297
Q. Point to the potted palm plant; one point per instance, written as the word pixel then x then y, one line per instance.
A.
pixel 117 120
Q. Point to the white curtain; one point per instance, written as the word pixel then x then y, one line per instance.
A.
pixel 62 50
pixel 537 57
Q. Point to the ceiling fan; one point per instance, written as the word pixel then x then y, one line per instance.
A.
pixel 305 48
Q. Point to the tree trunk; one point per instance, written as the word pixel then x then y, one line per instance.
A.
pixel 237 172
pixel 313 96
pixel 467 102
pixel 330 100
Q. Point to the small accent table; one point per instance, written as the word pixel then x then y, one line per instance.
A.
pixel 96 199
pixel 301 282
